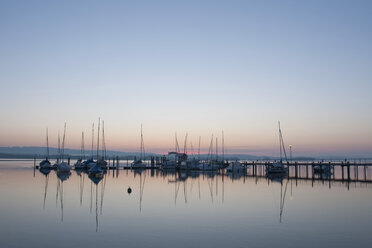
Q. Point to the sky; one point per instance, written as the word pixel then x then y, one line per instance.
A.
pixel 195 67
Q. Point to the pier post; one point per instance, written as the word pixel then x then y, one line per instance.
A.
pixel 342 170
pixel 348 170
pixel 68 161
pixel 296 172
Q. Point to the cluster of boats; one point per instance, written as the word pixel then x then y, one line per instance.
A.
pixel 95 168
pixel 175 160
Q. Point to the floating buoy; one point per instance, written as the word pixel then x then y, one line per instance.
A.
pixel 129 190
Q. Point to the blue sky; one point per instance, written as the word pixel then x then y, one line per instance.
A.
pixel 189 66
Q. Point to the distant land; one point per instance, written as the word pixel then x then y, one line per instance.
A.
pixel 28 152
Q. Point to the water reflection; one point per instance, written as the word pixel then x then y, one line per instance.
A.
pixel 135 200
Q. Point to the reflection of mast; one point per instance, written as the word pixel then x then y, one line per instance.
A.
pixel 96 207
pixel 210 188
pixel 102 193
pixel 282 199
pixel 61 198
pixel 46 188
pixel 185 191
pixel 142 186
pixel 91 196
pixel 81 188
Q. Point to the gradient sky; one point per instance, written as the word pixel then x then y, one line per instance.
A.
pixel 189 66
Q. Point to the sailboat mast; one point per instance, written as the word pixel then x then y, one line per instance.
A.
pixel 63 142
pixel 103 139
pixel 82 146
pixel 223 147
pixel 280 142
pixel 210 149
pixel 59 146
pixel 199 148
pixel 47 141
pixel 177 146
pixel 99 122
pixel 142 146
pixel 216 150
pixel 185 145
pixel 92 139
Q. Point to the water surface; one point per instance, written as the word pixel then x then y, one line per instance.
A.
pixel 180 209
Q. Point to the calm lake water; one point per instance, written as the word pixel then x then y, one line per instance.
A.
pixel 180 210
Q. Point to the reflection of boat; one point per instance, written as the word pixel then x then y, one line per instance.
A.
pixel 96 172
pixel 323 169
pixel 139 163
pixel 63 176
pixel 96 180
pixel 278 167
pixel 236 166
pixel 45 164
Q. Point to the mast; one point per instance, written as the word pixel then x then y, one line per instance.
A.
pixel 142 146
pixel 47 141
pixel 99 121
pixel 281 145
pixel 63 142
pixel 103 139
pixel 216 150
pixel 199 149
pixel 185 145
pixel 223 147
pixel 83 148
pixel 92 139
pixel 280 142
pixel 59 146
pixel 210 148
pixel 82 145
pixel 177 146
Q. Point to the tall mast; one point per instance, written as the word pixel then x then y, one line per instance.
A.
pixel 280 142
pixel 216 149
pixel 185 145
pixel 142 146
pixel 63 142
pixel 92 139
pixel 210 148
pixel 223 146
pixel 177 146
pixel 59 145
pixel 82 146
pixel 103 139
pixel 47 141
pixel 199 149
pixel 99 122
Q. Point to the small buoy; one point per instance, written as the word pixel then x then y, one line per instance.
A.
pixel 129 190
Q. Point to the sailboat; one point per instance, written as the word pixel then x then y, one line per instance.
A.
pixel 139 163
pixel 278 167
pixel 45 164
pixel 63 166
